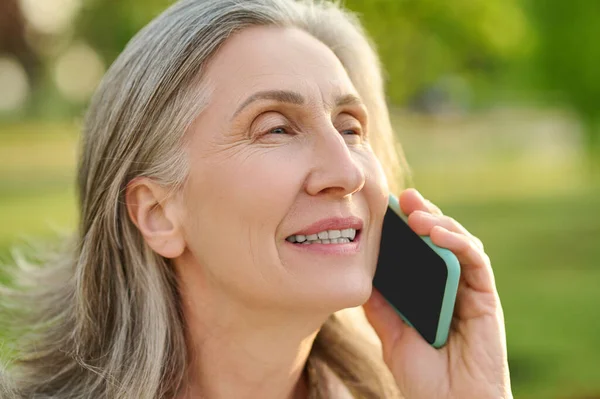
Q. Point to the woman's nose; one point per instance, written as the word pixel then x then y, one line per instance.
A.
pixel 334 168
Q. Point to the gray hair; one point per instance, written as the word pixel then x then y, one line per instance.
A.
pixel 106 321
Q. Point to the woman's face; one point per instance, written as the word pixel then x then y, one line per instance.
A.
pixel 282 145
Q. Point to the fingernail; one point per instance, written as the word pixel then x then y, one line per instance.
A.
pixel 419 194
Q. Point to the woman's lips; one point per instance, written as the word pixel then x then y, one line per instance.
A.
pixel 334 223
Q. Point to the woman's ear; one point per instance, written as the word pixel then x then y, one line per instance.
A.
pixel 155 214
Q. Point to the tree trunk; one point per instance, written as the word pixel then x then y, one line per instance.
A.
pixel 12 39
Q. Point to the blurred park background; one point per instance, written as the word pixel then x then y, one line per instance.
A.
pixel 494 101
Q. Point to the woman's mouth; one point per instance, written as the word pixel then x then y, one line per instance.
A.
pixel 347 244
pixel 325 237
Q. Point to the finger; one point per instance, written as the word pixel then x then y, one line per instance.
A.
pixel 475 264
pixel 422 222
pixel 411 200
pixel 432 208
pixel 403 347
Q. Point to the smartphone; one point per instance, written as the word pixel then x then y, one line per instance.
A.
pixel 418 278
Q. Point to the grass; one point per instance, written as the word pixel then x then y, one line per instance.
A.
pixel 538 216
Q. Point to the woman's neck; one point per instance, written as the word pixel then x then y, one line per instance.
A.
pixel 236 351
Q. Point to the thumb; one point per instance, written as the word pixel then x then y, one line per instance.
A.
pixel 386 322
pixel 404 349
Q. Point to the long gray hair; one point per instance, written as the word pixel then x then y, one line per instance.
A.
pixel 101 317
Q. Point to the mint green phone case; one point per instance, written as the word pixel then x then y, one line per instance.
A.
pixel 451 289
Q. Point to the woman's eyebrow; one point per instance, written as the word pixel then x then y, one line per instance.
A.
pixel 292 97
pixel 347 99
pixel 283 96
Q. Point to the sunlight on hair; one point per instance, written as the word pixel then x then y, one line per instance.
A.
pixel 50 16
pixel 78 71
pixel 14 84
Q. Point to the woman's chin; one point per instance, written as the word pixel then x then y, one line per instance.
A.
pixel 340 294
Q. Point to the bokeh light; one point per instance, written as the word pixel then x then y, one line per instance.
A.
pixel 78 71
pixel 14 84
pixel 50 16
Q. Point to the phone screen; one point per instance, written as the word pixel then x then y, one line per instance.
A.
pixel 410 275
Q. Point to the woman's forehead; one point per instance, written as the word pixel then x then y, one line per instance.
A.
pixel 272 58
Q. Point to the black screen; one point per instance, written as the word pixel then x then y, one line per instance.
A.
pixel 410 275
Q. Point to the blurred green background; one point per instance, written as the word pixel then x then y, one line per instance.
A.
pixel 495 102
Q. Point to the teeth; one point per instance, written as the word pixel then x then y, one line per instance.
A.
pixel 350 233
pixel 342 240
pixel 300 238
pixel 334 233
pixel 325 237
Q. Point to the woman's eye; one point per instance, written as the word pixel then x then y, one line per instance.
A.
pixel 348 125
pixel 278 130
pixel 352 131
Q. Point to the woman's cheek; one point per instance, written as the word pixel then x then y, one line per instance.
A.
pixel 375 176
pixel 273 173
pixel 376 193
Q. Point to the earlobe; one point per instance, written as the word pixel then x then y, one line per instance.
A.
pixel 153 212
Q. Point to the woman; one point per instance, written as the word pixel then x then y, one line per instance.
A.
pixel 223 129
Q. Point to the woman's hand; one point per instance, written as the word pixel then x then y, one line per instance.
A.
pixel 473 363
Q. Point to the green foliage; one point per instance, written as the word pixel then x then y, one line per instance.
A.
pixel 109 24
pixel 567 58
pixel 420 41
pixel 568 50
